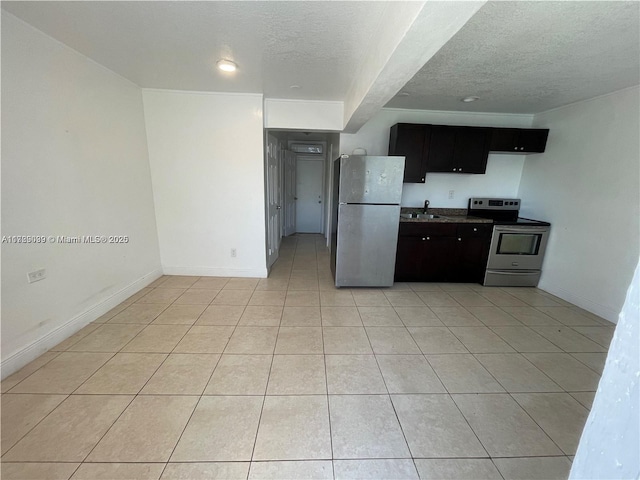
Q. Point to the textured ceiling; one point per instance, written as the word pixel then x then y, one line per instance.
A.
pixel 174 45
pixel 519 57
pixel 528 57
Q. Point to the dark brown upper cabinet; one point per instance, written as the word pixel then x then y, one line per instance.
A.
pixel 408 140
pixel 453 149
pixel 439 148
pixel 519 140
pixel 458 149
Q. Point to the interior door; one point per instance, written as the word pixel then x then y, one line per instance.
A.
pixel 309 181
pixel 289 164
pixel 273 199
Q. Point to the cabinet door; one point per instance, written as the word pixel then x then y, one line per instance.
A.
pixel 439 262
pixel 472 253
pixel 408 140
pixel 504 140
pixel 409 259
pixel 518 140
pixel 471 149
pixel 440 149
pixel 533 141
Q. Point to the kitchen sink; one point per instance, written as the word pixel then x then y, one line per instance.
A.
pixel 424 216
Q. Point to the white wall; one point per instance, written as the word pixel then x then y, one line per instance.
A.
pixel 207 170
pixel 303 114
pixel 503 171
pixel 610 441
pixel 587 185
pixel 74 162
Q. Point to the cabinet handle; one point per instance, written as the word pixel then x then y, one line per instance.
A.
pixel 454 169
pixel 459 239
pixel 475 229
pixel 515 148
pixel 460 169
pixel 423 179
pixel 521 148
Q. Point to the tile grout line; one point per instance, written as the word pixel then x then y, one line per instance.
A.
pixel 129 404
pixel 450 395
pixel 393 407
pixel 317 275
pixel 199 397
pixel 538 425
pixel 266 387
pixel 326 386
pixel 40 367
pixel 37 423
pixel 525 359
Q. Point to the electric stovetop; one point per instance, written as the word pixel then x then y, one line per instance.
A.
pixel 503 211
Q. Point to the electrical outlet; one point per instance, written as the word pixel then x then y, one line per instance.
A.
pixel 452 194
pixel 233 253
pixel 37 275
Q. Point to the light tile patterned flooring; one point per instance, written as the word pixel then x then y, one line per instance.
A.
pixel 288 377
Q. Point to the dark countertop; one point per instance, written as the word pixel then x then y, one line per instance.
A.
pixel 447 215
pixel 447 219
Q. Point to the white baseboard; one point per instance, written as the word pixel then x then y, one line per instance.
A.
pixel 19 359
pixel 215 272
pixel 603 311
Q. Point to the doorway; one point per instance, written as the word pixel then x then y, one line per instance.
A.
pixel 298 174
pixel 309 194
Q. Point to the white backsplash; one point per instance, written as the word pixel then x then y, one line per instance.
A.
pixel 501 180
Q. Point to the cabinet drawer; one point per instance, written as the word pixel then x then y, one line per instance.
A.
pixel 475 230
pixel 427 229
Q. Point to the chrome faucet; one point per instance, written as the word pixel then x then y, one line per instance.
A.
pixel 426 207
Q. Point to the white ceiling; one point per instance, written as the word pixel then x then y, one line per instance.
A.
pixel 519 57
pixel 174 45
pixel 528 57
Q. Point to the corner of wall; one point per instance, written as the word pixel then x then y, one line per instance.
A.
pixel 32 351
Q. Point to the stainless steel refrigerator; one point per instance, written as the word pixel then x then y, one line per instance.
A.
pixel 366 212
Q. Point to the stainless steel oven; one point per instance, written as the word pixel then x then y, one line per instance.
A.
pixel 517 244
pixel 516 255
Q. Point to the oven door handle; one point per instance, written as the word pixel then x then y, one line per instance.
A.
pixel 511 273
pixel 522 230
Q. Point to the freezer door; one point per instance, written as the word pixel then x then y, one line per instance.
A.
pixel 371 179
pixel 366 247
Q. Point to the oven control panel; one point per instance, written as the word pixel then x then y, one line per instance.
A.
pixel 494 204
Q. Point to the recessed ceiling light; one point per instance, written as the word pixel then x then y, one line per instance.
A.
pixel 294 87
pixel 226 65
pixel 403 94
pixel 470 99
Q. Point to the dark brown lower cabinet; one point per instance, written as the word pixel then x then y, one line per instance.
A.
pixel 424 259
pixel 446 252
pixel 473 251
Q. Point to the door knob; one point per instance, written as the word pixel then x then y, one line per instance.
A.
pixel 295 198
pixel 319 201
pixel 278 207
